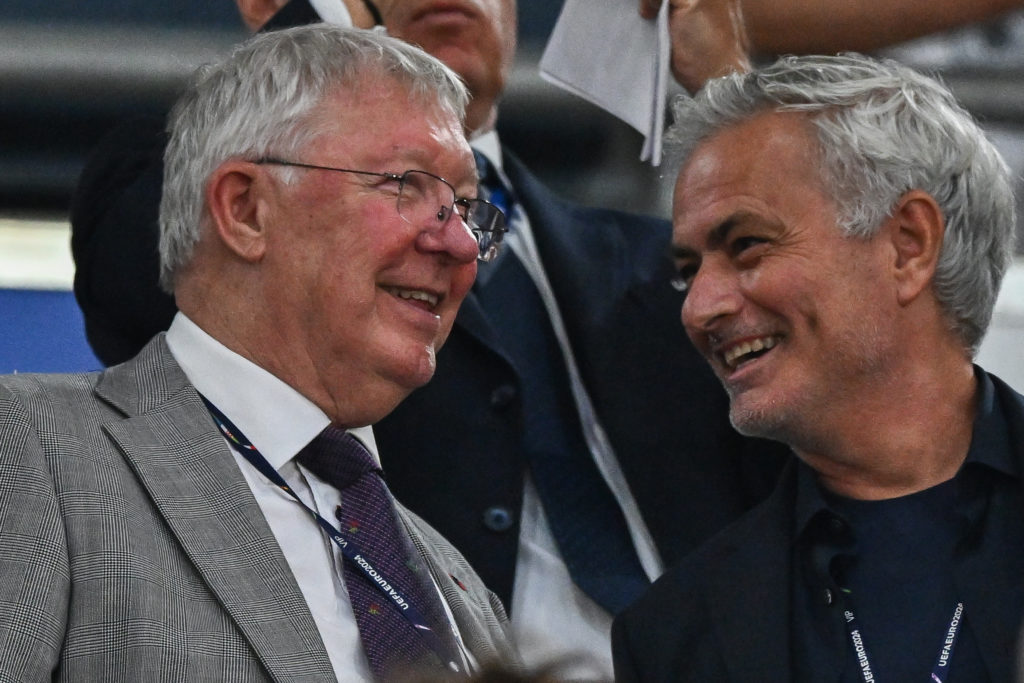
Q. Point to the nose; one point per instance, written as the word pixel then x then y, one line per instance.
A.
pixel 712 296
pixel 452 237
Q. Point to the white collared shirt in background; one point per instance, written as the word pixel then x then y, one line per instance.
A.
pixel 551 616
pixel 332 11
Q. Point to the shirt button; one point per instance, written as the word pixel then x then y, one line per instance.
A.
pixel 836 525
pixel 498 519
pixel 827 594
pixel 503 396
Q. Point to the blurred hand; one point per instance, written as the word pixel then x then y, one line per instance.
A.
pixel 256 13
pixel 709 39
pixel 361 17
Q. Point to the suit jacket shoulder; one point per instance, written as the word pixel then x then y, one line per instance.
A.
pixel 150 557
pixel 722 613
pixel 114 238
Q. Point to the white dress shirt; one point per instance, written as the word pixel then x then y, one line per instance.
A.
pixel 280 422
pixel 551 616
pixel 332 11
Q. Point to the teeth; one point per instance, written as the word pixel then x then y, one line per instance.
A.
pixel 415 294
pixel 733 355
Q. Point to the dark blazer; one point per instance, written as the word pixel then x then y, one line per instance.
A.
pixel 663 410
pixel 131 547
pixel 451 450
pixel 724 613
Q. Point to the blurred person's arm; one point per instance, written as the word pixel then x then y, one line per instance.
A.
pixel 713 37
pixel 828 26
pixel 708 37
pixel 255 13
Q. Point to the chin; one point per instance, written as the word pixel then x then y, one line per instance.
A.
pixel 767 421
pixel 418 370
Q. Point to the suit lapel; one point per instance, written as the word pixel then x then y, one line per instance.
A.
pixel 472 319
pixel 582 297
pixel 581 249
pixel 182 461
pixel 750 594
pixel 992 606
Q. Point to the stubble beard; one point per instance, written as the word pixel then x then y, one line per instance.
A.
pixel 798 420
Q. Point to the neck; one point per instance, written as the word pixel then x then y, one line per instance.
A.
pixel 480 121
pixel 349 396
pixel 914 435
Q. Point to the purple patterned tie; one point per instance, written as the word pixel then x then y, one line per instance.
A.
pixel 367 517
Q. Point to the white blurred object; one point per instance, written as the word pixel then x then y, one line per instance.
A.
pixel 1002 351
pixel 35 254
pixel 606 53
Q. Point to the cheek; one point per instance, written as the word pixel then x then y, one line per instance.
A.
pixel 459 285
pixel 462 281
pixel 507 27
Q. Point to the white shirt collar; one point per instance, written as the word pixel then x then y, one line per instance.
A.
pixel 332 11
pixel 489 145
pixel 278 420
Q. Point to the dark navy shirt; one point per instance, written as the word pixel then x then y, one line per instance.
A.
pixel 897 564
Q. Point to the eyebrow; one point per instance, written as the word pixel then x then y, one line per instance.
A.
pixel 716 236
pixel 417 159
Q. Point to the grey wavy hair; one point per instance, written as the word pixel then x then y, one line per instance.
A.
pixel 883 130
pixel 259 102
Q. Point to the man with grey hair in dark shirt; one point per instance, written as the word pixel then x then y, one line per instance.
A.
pixel 843 227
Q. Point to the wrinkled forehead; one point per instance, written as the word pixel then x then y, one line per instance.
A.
pixel 763 154
pixel 385 125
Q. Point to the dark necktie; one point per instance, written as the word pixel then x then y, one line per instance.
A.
pixel 367 517
pixel 584 517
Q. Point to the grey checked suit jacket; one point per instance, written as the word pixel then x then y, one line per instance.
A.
pixel 132 549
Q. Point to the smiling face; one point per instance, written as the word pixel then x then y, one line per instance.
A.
pixel 796 320
pixel 357 299
pixel 475 38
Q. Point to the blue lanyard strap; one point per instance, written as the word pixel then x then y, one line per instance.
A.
pixel 941 668
pixel 350 551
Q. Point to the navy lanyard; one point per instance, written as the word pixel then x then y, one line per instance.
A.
pixel 941 663
pixel 349 549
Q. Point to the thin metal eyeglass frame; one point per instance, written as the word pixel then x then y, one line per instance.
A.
pixel 488 248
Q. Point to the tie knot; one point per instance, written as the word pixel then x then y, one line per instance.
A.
pixel 337 457
pixel 494 188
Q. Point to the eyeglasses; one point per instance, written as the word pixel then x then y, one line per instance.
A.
pixel 427 199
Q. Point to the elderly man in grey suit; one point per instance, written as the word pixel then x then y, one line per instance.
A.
pixel 202 512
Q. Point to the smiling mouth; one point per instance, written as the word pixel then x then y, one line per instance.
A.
pixel 746 351
pixel 428 299
pixel 441 10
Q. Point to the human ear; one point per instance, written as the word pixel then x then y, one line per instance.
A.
pixel 233 200
pixel 255 13
pixel 917 227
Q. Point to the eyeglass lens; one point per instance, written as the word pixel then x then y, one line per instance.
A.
pixel 425 199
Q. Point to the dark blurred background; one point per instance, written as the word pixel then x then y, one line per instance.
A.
pixel 69 70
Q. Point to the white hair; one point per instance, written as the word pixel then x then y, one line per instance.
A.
pixel 883 129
